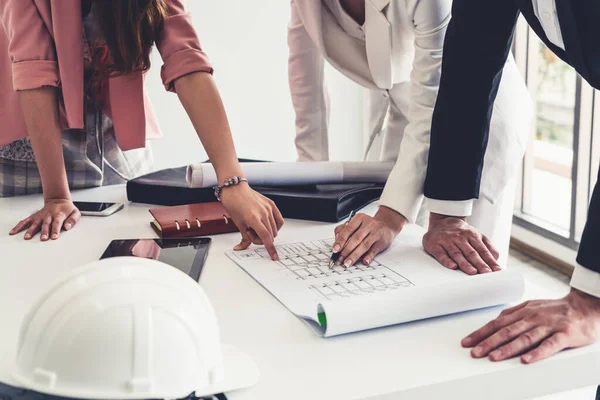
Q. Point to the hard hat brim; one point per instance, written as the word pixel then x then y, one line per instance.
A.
pixel 240 372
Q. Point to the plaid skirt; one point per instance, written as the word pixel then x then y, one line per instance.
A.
pixel 92 158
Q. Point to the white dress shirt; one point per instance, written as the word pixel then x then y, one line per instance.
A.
pixel 545 11
pixel 583 279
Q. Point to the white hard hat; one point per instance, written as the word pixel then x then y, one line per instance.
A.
pixel 127 328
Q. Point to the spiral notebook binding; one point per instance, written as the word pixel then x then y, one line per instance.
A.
pixel 189 226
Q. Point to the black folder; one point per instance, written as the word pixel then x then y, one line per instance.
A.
pixel 325 203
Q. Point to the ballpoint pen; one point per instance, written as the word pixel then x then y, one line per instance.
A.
pixel 335 256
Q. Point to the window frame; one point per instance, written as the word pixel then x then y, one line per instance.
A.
pixel 586 150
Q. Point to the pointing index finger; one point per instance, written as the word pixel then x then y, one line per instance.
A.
pixel 267 238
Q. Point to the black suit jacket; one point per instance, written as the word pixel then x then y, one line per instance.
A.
pixel 477 44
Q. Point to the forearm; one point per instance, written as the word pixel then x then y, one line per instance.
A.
pixel 202 102
pixel 392 218
pixel 475 51
pixel 40 111
pixel 404 187
pixel 586 276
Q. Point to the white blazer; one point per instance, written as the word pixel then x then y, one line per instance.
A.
pixel 402 62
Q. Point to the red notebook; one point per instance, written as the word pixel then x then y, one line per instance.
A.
pixel 192 220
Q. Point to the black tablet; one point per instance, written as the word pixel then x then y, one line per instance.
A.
pixel 187 255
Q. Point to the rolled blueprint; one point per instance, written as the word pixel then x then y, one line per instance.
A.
pixel 296 173
pixel 359 313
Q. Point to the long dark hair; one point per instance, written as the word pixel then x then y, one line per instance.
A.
pixel 129 28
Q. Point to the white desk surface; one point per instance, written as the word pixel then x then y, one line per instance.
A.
pixel 421 360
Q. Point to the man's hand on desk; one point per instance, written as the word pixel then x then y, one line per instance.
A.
pixel 365 236
pixel 456 244
pixel 539 329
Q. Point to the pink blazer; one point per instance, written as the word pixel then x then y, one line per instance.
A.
pixel 42 45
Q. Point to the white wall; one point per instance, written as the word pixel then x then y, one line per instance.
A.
pixel 246 42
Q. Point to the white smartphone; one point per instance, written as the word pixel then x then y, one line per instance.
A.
pixel 97 209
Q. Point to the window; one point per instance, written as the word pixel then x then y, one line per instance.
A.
pixel 561 162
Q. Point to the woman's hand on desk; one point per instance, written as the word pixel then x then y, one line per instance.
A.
pixel 365 236
pixel 257 217
pixel 50 220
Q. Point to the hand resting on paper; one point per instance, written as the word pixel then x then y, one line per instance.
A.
pixel 257 217
pixel 538 329
pixel 367 236
pixel 456 244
